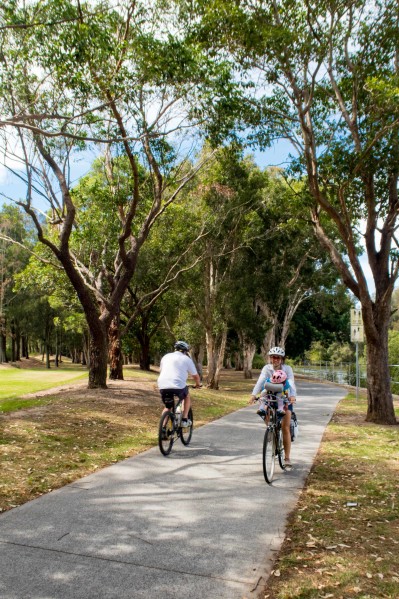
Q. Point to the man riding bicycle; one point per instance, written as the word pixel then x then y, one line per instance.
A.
pixel 175 368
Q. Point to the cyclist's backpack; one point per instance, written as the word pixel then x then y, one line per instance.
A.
pixel 294 426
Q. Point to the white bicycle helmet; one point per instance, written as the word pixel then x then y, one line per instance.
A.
pixel 277 351
pixel 182 346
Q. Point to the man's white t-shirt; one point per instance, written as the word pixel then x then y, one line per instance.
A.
pixel 175 368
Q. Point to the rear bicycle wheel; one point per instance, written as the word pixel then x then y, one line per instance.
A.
pixel 269 450
pixel 187 432
pixel 280 449
pixel 166 433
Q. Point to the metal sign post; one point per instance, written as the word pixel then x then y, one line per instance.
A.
pixel 357 336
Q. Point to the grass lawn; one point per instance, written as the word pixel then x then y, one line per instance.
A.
pixel 15 382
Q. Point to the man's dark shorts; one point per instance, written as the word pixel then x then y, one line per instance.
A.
pixel 168 394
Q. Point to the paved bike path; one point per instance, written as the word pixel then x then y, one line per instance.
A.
pixel 201 523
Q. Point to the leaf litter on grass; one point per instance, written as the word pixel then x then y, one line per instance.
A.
pixel 343 538
pixel 80 430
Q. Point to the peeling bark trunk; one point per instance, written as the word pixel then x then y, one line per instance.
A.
pixel 215 352
pixel 380 407
pixel 294 301
pixel 98 352
pixel 115 350
pixel 268 342
pixel 248 350
pixel 238 361
pixel 270 337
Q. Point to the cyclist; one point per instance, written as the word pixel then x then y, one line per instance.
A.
pixel 277 358
pixel 175 368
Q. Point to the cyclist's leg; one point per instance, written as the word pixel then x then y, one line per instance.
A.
pixel 285 427
pixel 186 405
pixel 185 395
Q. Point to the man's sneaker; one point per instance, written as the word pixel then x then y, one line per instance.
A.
pixel 164 433
pixel 186 422
pixel 262 414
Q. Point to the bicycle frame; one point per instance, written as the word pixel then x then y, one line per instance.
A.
pixel 170 427
pixel 273 440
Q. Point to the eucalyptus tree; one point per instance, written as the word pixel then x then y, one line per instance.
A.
pixel 224 196
pixel 172 250
pixel 74 76
pixel 326 79
pixel 278 270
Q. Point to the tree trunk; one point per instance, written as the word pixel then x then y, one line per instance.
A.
pixel 144 352
pixel 48 355
pixel 379 396
pixel 238 363
pixel 25 346
pixel 268 342
pixel 115 350
pixel 13 352
pixel 3 340
pixel 17 344
pixel 85 354
pixel 98 348
pixel 215 352
pixel 294 301
pixel 248 350
pixel 270 337
pixel 228 363
pixel 197 354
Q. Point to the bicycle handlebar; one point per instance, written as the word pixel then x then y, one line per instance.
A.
pixel 274 398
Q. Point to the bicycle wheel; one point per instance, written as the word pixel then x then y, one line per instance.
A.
pixel 269 450
pixel 187 432
pixel 166 433
pixel 280 449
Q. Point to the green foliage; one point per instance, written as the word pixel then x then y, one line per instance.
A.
pixel 341 353
pixel 317 353
pixel 393 347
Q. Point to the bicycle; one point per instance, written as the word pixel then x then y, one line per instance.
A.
pixel 170 427
pixel 273 440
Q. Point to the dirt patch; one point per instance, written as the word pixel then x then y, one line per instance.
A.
pixel 28 363
pixel 132 393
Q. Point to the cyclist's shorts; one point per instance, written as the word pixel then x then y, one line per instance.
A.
pixel 167 395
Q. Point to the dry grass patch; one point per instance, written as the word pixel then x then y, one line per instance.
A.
pixel 77 431
pixel 343 539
